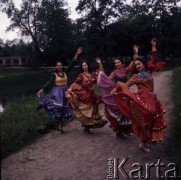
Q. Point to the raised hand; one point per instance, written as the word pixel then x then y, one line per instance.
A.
pixel 153 42
pixel 135 48
pixel 98 60
pixel 113 91
pixel 79 51
pixel 40 91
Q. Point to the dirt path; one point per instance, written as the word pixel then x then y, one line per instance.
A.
pixel 78 156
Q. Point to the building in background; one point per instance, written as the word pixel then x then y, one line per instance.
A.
pixel 14 61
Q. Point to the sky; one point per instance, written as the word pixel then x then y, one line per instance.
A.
pixel 4 21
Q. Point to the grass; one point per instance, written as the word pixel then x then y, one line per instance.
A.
pixel 10 71
pixel 22 81
pixel 21 124
pixel 177 112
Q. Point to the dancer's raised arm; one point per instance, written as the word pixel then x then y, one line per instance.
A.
pixel 98 60
pixel 153 64
pixel 72 63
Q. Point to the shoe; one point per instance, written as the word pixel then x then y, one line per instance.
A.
pixel 61 130
pixel 143 148
pixel 154 142
pixel 39 106
pixel 87 130
pixel 130 134
pixel 120 135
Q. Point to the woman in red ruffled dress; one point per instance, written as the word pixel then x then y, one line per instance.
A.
pixel 83 100
pixel 143 108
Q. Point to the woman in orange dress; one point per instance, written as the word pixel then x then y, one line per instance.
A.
pixel 143 108
pixel 82 98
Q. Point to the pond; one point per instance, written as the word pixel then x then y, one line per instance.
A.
pixel 7 100
pixel 1 108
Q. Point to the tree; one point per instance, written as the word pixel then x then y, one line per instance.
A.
pixel 56 28
pixel 16 48
pixel 161 10
pixel 46 22
pixel 173 34
pixel 96 16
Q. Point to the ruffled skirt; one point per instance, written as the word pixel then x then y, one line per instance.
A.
pixel 56 105
pixel 146 113
pixel 85 106
pixel 118 121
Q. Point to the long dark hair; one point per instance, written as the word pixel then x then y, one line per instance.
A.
pixel 89 67
pixel 135 71
pixel 119 58
pixel 63 70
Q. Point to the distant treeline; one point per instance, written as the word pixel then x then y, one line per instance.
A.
pixel 105 29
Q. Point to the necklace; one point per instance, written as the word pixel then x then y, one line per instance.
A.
pixel 61 74
pixel 87 74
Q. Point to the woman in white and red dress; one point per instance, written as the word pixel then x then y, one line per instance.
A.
pixel 143 108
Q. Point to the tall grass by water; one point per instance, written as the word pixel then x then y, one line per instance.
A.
pixel 21 123
pixel 15 82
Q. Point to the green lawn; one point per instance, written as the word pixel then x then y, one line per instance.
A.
pixel 21 81
pixel 21 124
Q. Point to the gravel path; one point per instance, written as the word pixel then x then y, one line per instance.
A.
pixel 79 156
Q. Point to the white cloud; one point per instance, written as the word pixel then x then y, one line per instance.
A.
pixel 72 4
pixel 4 21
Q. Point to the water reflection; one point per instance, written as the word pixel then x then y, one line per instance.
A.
pixel 1 108
pixel 6 100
